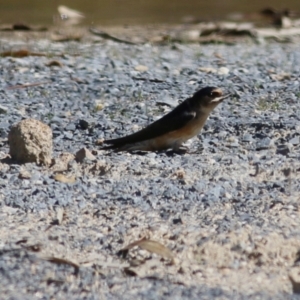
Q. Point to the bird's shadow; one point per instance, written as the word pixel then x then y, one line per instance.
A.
pixel 170 152
pixel 9 161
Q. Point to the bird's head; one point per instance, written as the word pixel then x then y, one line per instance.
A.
pixel 209 98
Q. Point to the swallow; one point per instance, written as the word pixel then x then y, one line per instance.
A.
pixel 172 130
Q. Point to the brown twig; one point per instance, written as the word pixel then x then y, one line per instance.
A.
pixel 22 86
pixel 107 36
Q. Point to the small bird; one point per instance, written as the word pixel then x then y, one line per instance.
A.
pixel 172 130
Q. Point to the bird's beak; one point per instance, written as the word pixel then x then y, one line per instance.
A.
pixel 220 99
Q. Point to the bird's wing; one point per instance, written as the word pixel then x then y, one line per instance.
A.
pixel 174 120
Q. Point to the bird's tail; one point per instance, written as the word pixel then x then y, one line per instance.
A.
pixel 110 147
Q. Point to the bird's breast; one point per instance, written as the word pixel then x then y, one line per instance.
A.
pixel 191 129
pixel 179 136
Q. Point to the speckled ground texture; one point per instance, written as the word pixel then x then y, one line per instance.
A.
pixel 228 210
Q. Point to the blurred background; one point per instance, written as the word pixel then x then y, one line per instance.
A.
pixel 130 12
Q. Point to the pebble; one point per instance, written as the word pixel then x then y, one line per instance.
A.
pixel 295 140
pixel 263 144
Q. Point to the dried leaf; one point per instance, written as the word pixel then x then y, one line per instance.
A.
pixel 151 246
pixel 64 179
pixel 63 261
pixel 157 248
pixel 66 38
pixel 107 36
pixel 105 264
pixel 54 63
pixel 20 53
pixel 22 86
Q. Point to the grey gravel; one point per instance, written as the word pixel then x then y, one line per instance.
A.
pixel 229 209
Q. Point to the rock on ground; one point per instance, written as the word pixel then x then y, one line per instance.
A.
pixel 30 141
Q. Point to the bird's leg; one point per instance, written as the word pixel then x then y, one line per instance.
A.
pixel 178 148
pixel 181 150
pixel 178 151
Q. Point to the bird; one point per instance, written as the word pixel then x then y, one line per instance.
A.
pixel 172 130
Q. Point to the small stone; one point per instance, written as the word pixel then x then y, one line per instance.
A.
pixel 100 168
pixel 141 68
pixel 83 154
pixel 4 125
pixel 281 76
pixel 232 139
pixel 167 102
pixel 72 166
pixel 263 144
pixel 94 152
pixel 247 138
pixel 283 150
pixel 68 135
pixel 228 195
pixel 233 142
pixel 177 221
pixel 99 105
pixel 57 120
pixel 99 142
pixel 70 127
pixel 207 70
pixel 61 163
pixel 3 109
pixel 295 140
pixel 189 35
pixel 30 141
pixel 287 172
pixel 54 63
pixel 223 71
pixel 24 174
pixel 83 124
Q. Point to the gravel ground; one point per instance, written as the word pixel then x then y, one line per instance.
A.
pixel 228 210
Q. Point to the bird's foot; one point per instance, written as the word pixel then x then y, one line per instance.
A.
pixel 180 151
